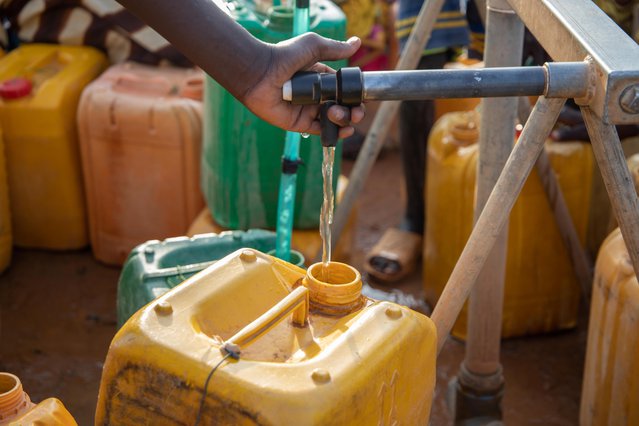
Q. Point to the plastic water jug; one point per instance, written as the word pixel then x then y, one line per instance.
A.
pixel 541 291
pixel 242 154
pixel 291 347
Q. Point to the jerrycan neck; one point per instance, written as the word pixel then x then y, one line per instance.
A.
pixel 14 401
pixel 465 132
pixel 334 289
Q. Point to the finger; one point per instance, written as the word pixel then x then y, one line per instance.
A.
pixel 345 132
pixel 320 67
pixel 339 115
pixel 358 113
pixel 326 49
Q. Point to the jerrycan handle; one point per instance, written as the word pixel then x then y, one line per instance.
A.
pixel 151 86
pixel 296 302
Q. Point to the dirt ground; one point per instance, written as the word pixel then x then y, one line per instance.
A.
pixel 57 317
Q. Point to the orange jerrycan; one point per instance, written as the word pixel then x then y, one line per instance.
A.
pixel 255 340
pixel 541 291
pixel 40 86
pixel 17 409
pixel 140 135
pixel 610 394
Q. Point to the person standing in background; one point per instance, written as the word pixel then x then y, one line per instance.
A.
pixel 458 25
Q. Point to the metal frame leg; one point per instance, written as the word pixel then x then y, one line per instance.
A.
pixel 616 176
pixel 478 387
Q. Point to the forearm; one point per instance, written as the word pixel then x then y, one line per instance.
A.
pixel 209 38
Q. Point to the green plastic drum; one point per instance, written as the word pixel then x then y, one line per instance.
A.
pixel 155 267
pixel 242 154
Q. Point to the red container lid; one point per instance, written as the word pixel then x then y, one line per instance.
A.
pixel 15 88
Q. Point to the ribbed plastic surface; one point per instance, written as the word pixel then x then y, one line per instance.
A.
pixel 140 134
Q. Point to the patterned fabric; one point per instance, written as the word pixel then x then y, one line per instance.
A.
pixel 103 24
pixel 451 29
pixel 621 11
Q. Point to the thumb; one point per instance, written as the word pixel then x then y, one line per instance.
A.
pixel 333 50
pixel 326 49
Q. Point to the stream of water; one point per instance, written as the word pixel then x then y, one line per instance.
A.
pixel 326 216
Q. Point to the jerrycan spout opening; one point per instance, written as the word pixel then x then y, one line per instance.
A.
pixel 335 289
pixel 13 400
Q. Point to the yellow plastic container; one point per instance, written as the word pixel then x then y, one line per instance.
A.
pixel 306 241
pixel 610 394
pixel 17 409
pixel 6 238
pixel 39 128
pixel 541 290
pixel 311 352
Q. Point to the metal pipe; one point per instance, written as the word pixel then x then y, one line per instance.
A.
pixel 494 216
pixel 351 86
pixel 504 46
pixel 455 83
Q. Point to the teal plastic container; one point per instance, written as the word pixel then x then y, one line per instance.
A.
pixel 242 154
pixel 155 267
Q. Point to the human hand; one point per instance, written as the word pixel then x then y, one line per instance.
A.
pixel 301 53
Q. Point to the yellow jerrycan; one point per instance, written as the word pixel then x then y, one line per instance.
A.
pixel 16 408
pixel 610 393
pixel 40 87
pixel 253 340
pixel 6 239
pixel 541 291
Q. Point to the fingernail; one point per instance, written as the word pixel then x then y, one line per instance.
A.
pixel 352 40
pixel 339 114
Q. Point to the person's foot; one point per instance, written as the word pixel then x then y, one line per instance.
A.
pixel 394 256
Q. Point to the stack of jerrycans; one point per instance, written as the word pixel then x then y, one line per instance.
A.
pixel 40 86
pixel 140 136
pixel 305 351
pixel 541 291
pixel 610 394
pixel 242 154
